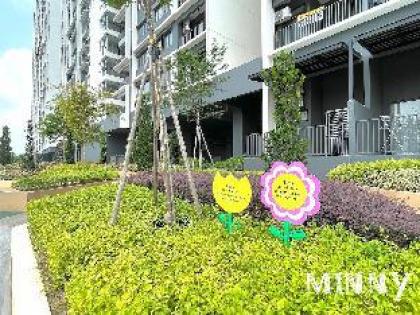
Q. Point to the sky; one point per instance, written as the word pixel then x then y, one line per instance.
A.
pixel 15 68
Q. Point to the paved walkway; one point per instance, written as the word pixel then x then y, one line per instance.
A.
pixel 6 225
pixel 11 199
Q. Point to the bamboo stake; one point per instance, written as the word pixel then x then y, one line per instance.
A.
pixel 128 152
pixel 183 149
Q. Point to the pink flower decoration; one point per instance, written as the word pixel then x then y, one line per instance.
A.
pixel 290 193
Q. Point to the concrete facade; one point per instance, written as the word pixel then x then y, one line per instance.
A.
pixel 194 24
pixel 46 75
pixel 75 41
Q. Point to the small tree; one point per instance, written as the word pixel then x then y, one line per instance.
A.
pixel 53 127
pixel 29 158
pixel 6 155
pixel 82 110
pixel 155 67
pixel 143 150
pixel 286 83
pixel 76 117
pixel 196 78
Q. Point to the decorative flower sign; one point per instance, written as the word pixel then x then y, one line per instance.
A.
pixel 291 195
pixel 233 195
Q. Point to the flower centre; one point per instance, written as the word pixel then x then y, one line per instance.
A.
pixel 289 192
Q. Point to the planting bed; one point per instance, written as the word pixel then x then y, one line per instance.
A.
pixel 140 267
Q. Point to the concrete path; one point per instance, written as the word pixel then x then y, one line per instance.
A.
pixel 6 225
pixel 11 199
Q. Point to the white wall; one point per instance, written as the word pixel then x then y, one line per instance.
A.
pixel 267 46
pixel 96 31
pixel 237 25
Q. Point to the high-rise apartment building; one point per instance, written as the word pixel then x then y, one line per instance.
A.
pixel 74 42
pixel 45 62
pixel 195 24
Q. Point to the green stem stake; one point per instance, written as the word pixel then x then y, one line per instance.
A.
pixel 227 221
pixel 287 234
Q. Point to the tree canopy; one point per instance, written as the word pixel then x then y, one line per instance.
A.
pixel 286 83
pixel 195 80
pixel 6 154
pixel 77 112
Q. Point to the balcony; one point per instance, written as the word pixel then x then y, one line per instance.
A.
pixel 85 14
pixel 71 30
pixel 112 77
pixel 120 93
pixel 123 65
pixel 84 62
pixel 121 42
pixel 109 11
pixel 120 16
pixel 175 15
pixel 106 53
pixel 114 102
pixel 293 28
pixel 86 35
pixel 194 32
pixel 112 32
pixel 383 135
pixel 84 4
pixel 70 69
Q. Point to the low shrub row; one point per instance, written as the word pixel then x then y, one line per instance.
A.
pixel 370 215
pixel 231 164
pixel 403 175
pixel 136 267
pixel 11 171
pixel 62 175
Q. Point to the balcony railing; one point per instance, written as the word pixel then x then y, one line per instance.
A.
pixel 382 135
pixel 321 18
pixel 194 32
pixel 254 145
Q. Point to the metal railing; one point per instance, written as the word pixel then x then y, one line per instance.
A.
pixel 254 145
pixel 321 18
pixel 315 137
pixel 195 31
pixel 381 136
pixel 373 136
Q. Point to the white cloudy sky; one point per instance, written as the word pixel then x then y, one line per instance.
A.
pixel 15 67
pixel 15 93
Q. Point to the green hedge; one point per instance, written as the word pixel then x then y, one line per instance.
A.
pixel 137 268
pixel 231 164
pixel 403 175
pixel 66 175
pixel 11 171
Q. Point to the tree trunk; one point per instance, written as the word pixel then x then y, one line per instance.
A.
pixel 206 146
pixel 155 117
pixel 199 139
pixel 185 156
pixel 128 152
pixel 170 213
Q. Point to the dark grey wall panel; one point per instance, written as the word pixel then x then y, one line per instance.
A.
pixel 237 82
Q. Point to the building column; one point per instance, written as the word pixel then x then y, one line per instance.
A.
pixel 237 132
pixel 267 47
pixel 351 102
pixel 267 110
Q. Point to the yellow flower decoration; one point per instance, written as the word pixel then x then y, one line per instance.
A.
pixel 289 191
pixel 232 194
